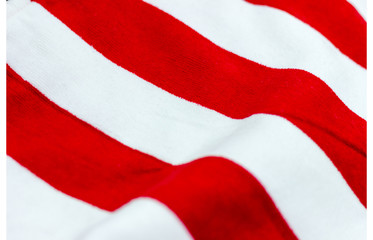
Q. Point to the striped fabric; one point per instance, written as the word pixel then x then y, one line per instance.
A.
pixel 186 119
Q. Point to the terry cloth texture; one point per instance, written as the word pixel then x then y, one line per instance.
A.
pixel 186 119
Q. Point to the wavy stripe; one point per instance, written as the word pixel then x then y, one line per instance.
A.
pixel 187 65
pixel 36 209
pixel 275 39
pixel 83 162
pixel 337 20
pixel 71 73
pixel 142 218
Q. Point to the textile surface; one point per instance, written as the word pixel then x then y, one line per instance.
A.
pixel 186 119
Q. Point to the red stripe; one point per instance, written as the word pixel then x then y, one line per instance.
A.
pixel 217 189
pixel 337 20
pixel 167 53
pixel 83 162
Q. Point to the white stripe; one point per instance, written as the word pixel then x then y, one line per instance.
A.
pixel 35 210
pixel 14 6
pixel 308 190
pixel 140 219
pixel 273 38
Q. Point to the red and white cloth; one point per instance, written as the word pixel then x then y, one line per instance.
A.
pixel 186 119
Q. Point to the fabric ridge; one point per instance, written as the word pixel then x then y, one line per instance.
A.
pixel 205 120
